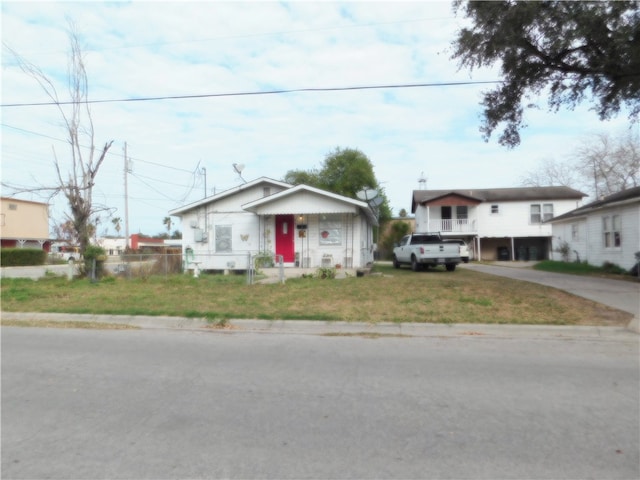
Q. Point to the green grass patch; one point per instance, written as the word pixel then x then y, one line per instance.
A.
pixel 433 296
pixel 483 302
pixel 580 268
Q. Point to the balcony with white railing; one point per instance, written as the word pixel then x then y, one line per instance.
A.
pixel 453 225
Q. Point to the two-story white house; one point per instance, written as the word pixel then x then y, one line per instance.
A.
pixel 607 230
pixel 302 225
pixel 497 223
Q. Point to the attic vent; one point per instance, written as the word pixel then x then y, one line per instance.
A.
pixel 13 206
pixel 266 191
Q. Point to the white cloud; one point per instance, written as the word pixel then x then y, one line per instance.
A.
pixel 143 49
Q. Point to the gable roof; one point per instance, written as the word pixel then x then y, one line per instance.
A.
pixel 631 195
pixel 302 189
pixel 499 194
pixel 214 198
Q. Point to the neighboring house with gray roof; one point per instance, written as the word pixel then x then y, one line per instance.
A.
pixel 607 230
pixel 497 223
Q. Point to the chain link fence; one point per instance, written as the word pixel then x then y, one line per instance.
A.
pixel 144 265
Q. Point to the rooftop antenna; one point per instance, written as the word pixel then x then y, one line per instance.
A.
pixel 239 167
pixel 422 181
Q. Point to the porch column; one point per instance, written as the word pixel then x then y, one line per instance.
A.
pixel 513 251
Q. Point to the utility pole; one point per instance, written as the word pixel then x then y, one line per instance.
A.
pixel 204 172
pixel 126 198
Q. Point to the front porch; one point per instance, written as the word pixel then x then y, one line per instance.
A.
pixel 317 240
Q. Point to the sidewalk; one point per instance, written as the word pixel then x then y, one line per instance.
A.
pixel 328 328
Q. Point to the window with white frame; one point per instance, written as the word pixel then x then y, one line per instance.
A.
pixel 462 213
pixel 330 229
pixel 611 229
pixel 540 212
pixel 535 214
pixel 223 238
pixel 575 232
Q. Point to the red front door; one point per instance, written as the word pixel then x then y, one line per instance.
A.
pixel 285 229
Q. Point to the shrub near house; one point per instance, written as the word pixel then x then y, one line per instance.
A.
pixel 20 257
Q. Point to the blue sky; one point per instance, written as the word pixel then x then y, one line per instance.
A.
pixel 155 49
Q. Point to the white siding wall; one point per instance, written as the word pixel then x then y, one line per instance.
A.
pixel 563 232
pixel 512 220
pixel 630 241
pixel 422 218
pixel 234 202
pixel 590 242
pixel 353 242
pixel 249 236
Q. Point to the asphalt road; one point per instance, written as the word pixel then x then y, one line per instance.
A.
pixel 191 404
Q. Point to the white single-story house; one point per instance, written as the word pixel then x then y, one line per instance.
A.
pixel 607 230
pixel 497 223
pixel 299 225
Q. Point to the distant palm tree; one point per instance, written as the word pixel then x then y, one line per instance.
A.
pixel 167 223
pixel 116 223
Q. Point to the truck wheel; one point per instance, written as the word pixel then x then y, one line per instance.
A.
pixel 396 263
pixel 450 267
pixel 415 266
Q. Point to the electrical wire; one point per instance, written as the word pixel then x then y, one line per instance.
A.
pixel 256 93
pixel 111 153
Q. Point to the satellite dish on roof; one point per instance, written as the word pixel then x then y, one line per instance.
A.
pixel 367 194
pixel 239 167
pixel 376 202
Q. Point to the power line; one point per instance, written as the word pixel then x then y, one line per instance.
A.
pixel 255 93
pixel 31 132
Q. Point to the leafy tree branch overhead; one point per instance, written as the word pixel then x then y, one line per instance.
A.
pixel 571 51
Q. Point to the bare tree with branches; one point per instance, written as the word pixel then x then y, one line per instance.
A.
pixel 549 173
pixel 603 165
pixel 611 164
pixel 77 179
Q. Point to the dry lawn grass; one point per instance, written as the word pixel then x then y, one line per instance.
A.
pixel 464 296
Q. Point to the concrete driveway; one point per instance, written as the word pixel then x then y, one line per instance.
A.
pixel 619 294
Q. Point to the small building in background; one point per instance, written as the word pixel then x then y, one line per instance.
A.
pixel 24 224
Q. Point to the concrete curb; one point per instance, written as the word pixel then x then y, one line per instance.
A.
pixel 312 327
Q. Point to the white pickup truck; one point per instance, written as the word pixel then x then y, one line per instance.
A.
pixel 423 250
